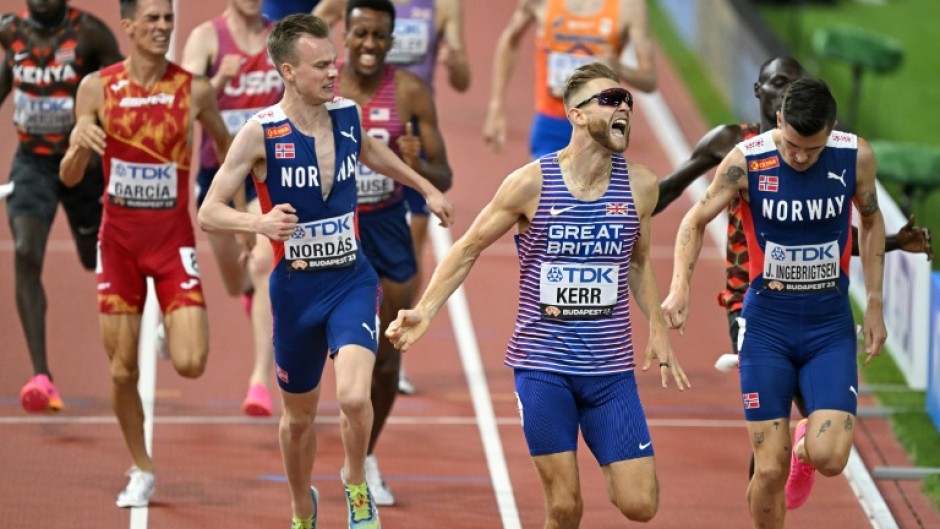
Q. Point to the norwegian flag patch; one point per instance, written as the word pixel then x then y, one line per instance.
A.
pixel 617 208
pixel 283 150
pixel 751 400
pixel 768 183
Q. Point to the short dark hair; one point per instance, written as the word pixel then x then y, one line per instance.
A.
pixel 785 61
pixel 808 106
pixel 128 8
pixel 282 41
pixel 384 6
pixel 582 75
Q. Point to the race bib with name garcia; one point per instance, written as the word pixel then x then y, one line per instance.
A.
pixel 322 244
pixel 578 291
pixel 560 67
pixel 43 115
pixel 801 269
pixel 142 185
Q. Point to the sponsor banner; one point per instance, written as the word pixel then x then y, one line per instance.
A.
pixel 906 300
pixel 933 377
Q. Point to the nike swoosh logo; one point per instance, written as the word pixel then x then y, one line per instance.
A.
pixel 20 56
pixel 189 284
pixel 644 446
pixel 555 212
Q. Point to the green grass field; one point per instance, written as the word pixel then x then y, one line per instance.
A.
pixel 898 107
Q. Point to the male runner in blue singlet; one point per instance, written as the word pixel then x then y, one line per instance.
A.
pixel 799 182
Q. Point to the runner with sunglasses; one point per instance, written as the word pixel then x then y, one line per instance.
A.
pixel 582 219
pixel 569 33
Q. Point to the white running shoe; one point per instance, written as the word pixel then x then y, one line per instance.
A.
pixel 380 492
pixel 159 340
pixel 405 386
pixel 140 487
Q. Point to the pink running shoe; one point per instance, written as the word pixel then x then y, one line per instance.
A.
pixel 40 395
pixel 257 402
pixel 248 299
pixel 802 475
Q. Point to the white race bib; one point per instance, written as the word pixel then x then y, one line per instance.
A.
pixel 142 185
pixel 235 118
pixel 412 40
pixel 322 244
pixel 560 67
pixel 801 269
pixel 571 291
pixel 43 115
pixel 373 187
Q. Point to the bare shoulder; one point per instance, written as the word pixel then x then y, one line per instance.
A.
pixel 91 82
pixel 645 186
pixel 409 85
pixel 865 153
pixel 522 185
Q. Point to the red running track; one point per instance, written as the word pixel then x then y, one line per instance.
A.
pixel 218 468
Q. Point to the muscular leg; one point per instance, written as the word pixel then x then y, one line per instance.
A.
pixel 828 441
pixel 770 441
pixel 632 486
pixel 298 439
pixel 259 266
pixel 396 296
pixel 120 333
pixel 353 365
pixel 187 331
pixel 30 234
pixel 561 486
pixel 227 252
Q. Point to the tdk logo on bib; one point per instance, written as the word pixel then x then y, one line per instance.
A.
pixel 323 228
pixel 145 171
pixel 580 275
pixel 805 253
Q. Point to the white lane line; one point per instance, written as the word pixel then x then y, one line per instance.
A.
pixel 236 420
pixel 479 390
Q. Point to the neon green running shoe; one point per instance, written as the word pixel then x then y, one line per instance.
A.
pixel 362 511
pixel 297 523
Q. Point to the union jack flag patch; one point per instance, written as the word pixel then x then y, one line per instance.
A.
pixel 768 183
pixel 751 400
pixel 617 208
pixel 283 150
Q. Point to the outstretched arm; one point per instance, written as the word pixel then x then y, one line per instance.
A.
pixel 643 283
pixel 910 238
pixel 635 30
pixel 707 154
pixel 728 183
pixel 871 246
pixel 504 62
pixel 453 47
pixel 515 202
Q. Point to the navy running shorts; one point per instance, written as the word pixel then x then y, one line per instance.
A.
pixel 606 408
pixel 803 344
